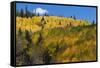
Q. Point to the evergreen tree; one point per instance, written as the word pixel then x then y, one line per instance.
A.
pixel 46 14
pixel 26 12
pixel 38 14
pixel 93 22
pixel 74 17
pixel 33 14
pixel 17 13
pixel 71 17
pixel 22 13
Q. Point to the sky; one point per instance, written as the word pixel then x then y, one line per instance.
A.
pixel 81 13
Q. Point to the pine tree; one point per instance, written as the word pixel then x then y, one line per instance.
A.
pixel 93 22
pixel 26 11
pixel 71 17
pixel 17 13
pixel 74 17
pixel 38 14
pixel 22 13
pixel 46 14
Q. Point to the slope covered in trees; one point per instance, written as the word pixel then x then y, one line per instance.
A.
pixel 36 23
pixel 53 39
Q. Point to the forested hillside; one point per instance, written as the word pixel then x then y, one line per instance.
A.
pixel 53 39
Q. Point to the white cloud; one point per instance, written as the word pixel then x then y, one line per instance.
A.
pixel 40 11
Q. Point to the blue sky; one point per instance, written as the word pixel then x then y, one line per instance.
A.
pixel 81 13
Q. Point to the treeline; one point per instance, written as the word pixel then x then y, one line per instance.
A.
pixel 24 13
pixel 27 13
